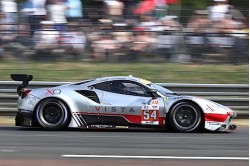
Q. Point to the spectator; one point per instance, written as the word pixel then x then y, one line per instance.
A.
pixel 114 10
pixel 218 10
pixel 104 47
pixel 47 37
pixel 199 22
pixel 9 8
pixel 228 25
pixel 142 42
pixel 128 8
pixel 26 10
pixel 57 14
pixel 7 32
pixel 23 43
pixel 225 18
pixel 37 13
pixel 74 10
pixel 95 13
pixel 237 15
pixel 198 27
pixel 122 35
pixel 170 23
pixel 161 8
pixel 148 23
pixel 73 40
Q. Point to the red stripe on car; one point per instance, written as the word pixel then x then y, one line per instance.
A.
pixel 215 117
pixel 131 118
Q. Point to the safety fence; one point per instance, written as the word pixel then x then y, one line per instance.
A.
pixel 235 96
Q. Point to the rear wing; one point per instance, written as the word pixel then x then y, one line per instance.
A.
pixel 25 78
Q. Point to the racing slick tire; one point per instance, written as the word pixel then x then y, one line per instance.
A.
pixel 185 117
pixel 52 114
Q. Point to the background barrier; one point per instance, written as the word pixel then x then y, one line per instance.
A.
pixel 235 96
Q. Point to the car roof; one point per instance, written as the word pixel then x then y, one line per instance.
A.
pixel 111 78
pixel 118 78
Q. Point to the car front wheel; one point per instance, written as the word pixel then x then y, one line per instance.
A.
pixel 185 117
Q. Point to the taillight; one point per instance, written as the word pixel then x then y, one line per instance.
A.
pixel 25 93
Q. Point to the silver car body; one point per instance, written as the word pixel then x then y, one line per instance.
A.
pixel 92 104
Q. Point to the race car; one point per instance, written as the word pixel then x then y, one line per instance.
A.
pixel 117 102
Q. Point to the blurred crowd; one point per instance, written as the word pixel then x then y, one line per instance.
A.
pixel 116 30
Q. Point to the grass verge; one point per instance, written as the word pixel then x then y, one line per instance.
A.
pixel 156 72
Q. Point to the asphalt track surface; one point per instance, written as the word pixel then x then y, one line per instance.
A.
pixel 25 146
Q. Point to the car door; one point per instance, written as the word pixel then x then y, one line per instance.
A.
pixel 125 102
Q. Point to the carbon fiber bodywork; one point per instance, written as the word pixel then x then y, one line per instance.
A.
pixel 121 101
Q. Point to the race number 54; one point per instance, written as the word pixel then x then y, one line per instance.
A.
pixel 150 117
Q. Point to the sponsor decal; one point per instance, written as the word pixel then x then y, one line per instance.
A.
pixel 101 126
pixel 131 110
pixel 97 108
pixel 53 91
pixel 155 102
pixel 213 107
pixel 213 123
pixel 114 109
pixel 121 127
pixel 183 97
pixel 25 111
pixel 32 101
pixel 150 113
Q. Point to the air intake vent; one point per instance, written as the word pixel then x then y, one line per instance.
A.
pixel 89 94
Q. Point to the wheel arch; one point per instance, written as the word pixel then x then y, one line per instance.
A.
pixel 34 118
pixel 190 101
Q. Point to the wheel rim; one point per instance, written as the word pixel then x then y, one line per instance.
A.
pixel 186 117
pixel 52 113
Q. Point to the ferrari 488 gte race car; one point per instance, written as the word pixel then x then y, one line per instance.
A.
pixel 117 102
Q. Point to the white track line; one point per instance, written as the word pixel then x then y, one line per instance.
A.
pixel 7 150
pixel 155 157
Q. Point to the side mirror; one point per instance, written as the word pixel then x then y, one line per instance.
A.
pixel 153 93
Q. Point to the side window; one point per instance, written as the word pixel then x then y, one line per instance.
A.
pixel 128 88
pixel 133 88
pixel 117 87
pixel 102 86
pixel 123 87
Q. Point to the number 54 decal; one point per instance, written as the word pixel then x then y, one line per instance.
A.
pixel 150 117
pixel 150 113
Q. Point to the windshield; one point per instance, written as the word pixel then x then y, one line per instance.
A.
pixel 161 89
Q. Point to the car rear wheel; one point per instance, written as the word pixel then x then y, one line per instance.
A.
pixel 185 117
pixel 52 114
